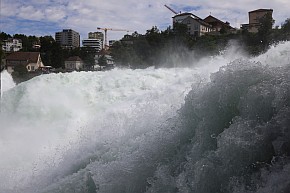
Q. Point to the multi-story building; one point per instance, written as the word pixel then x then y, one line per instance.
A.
pixel 195 25
pixel 12 45
pixel 96 35
pixel 255 19
pixel 93 43
pixel 95 40
pixel 68 38
pixel 218 25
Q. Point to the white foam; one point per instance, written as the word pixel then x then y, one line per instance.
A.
pixel 117 128
pixel 6 81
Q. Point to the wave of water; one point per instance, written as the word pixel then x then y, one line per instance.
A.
pixel 220 126
pixel 6 81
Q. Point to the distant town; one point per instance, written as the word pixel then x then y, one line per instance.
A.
pixel 63 53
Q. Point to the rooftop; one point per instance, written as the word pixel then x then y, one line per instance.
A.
pixel 24 56
pixel 185 14
pixel 261 10
pixel 74 58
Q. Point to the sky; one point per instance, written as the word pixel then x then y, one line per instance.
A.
pixel 45 17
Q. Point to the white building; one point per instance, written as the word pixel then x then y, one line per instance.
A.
pixel 73 63
pixel 195 25
pixel 95 40
pixel 12 45
pixel 93 43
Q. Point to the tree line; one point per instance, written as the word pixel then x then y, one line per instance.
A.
pixel 52 53
pixel 173 45
pixel 159 48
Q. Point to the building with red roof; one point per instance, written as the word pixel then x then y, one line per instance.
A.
pixel 31 60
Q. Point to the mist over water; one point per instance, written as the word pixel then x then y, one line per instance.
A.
pixel 6 81
pixel 221 125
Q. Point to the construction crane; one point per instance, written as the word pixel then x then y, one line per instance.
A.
pixel 106 29
pixel 175 12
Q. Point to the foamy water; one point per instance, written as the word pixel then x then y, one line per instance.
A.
pixel 6 81
pixel 219 126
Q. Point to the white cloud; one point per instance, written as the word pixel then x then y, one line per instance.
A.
pixel 31 13
pixel 55 14
pixel 7 9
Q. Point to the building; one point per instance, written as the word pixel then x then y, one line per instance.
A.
pixel 12 45
pixel 218 25
pixel 128 39
pixel 180 17
pixel 96 35
pixel 111 42
pixel 97 44
pixel 195 25
pixel 104 62
pixel 68 39
pixel 95 40
pixel 73 63
pixel 255 19
pixel 31 60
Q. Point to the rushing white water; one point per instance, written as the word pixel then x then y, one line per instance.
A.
pixel 219 126
pixel 6 81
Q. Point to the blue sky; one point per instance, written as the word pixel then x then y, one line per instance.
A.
pixel 45 17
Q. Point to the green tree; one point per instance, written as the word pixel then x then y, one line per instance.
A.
pixel 180 29
pixel 88 56
pixel 46 49
pixel 20 73
pixel 135 34
pixel 286 26
pixel 58 55
pixel 121 53
pixel 89 61
pixel 46 43
pixel 4 36
pixel 264 31
pixel 153 36
pixel 1 56
pixel 32 40
pixel 266 24
pixel 75 52
pixel 52 53
pixel 223 30
pixel 103 61
pixel 141 53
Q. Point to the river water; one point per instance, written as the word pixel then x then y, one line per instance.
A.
pixel 221 124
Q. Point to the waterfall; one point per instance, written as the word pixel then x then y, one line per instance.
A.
pixel 220 125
